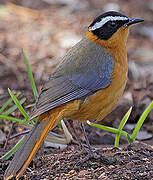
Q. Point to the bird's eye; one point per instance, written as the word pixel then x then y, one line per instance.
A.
pixel 112 24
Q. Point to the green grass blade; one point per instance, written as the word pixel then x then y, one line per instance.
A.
pixel 123 122
pixel 125 118
pixel 30 105
pixel 33 122
pixel 35 92
pixel 18 105
pixel 8 102
pixel 13 108
pixel 129 139
pixel 13 150
pixel 13 119
pixel 106 128
pixel 141 120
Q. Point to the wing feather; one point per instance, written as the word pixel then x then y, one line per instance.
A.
pixel 79 75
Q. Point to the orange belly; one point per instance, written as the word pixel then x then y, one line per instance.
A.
pixel 100 104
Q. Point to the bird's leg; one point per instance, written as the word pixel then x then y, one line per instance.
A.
pixel 74 133
pixel 86 139
pixel 91 151
pixel 86 149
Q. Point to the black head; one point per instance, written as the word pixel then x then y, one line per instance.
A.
pixel 108 23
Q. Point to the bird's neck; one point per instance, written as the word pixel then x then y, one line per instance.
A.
pixel 116 46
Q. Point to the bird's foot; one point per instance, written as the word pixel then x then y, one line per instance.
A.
pixel 89 156
pixel 86 155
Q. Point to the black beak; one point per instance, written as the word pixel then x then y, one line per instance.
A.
pixel 133 21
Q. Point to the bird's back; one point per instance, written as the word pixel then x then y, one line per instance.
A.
pixel 84 70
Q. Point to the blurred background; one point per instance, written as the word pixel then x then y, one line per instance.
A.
pixel 46 29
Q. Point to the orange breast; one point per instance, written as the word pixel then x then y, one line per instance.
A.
pixel 100 104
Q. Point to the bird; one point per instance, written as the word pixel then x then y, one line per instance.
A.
pixel 86 85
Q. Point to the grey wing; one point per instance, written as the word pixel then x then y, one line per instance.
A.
pixel 79 75
pixel 57 92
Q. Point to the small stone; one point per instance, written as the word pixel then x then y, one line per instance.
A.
pixel 148 163
pixel 130 165
pixel 103 176
pixel 72 172
pixel 143 135
pixel 101 169
pixel 145 159
pixel 143 174
pixel 130 126
pixel 111 167
pixel 82 173
pixel 54 145
pixel 67 175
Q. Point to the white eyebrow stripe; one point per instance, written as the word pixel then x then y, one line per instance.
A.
pixel 105 20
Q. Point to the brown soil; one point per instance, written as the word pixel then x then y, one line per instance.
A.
pixel 133 162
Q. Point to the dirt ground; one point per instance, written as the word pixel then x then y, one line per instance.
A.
pixel 46 30
pixel 133 162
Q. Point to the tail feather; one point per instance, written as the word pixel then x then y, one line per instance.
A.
pixel 30 146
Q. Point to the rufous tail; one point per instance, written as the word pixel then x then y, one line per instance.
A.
pixel 30 146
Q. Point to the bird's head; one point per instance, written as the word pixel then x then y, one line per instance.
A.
pixel 111 29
